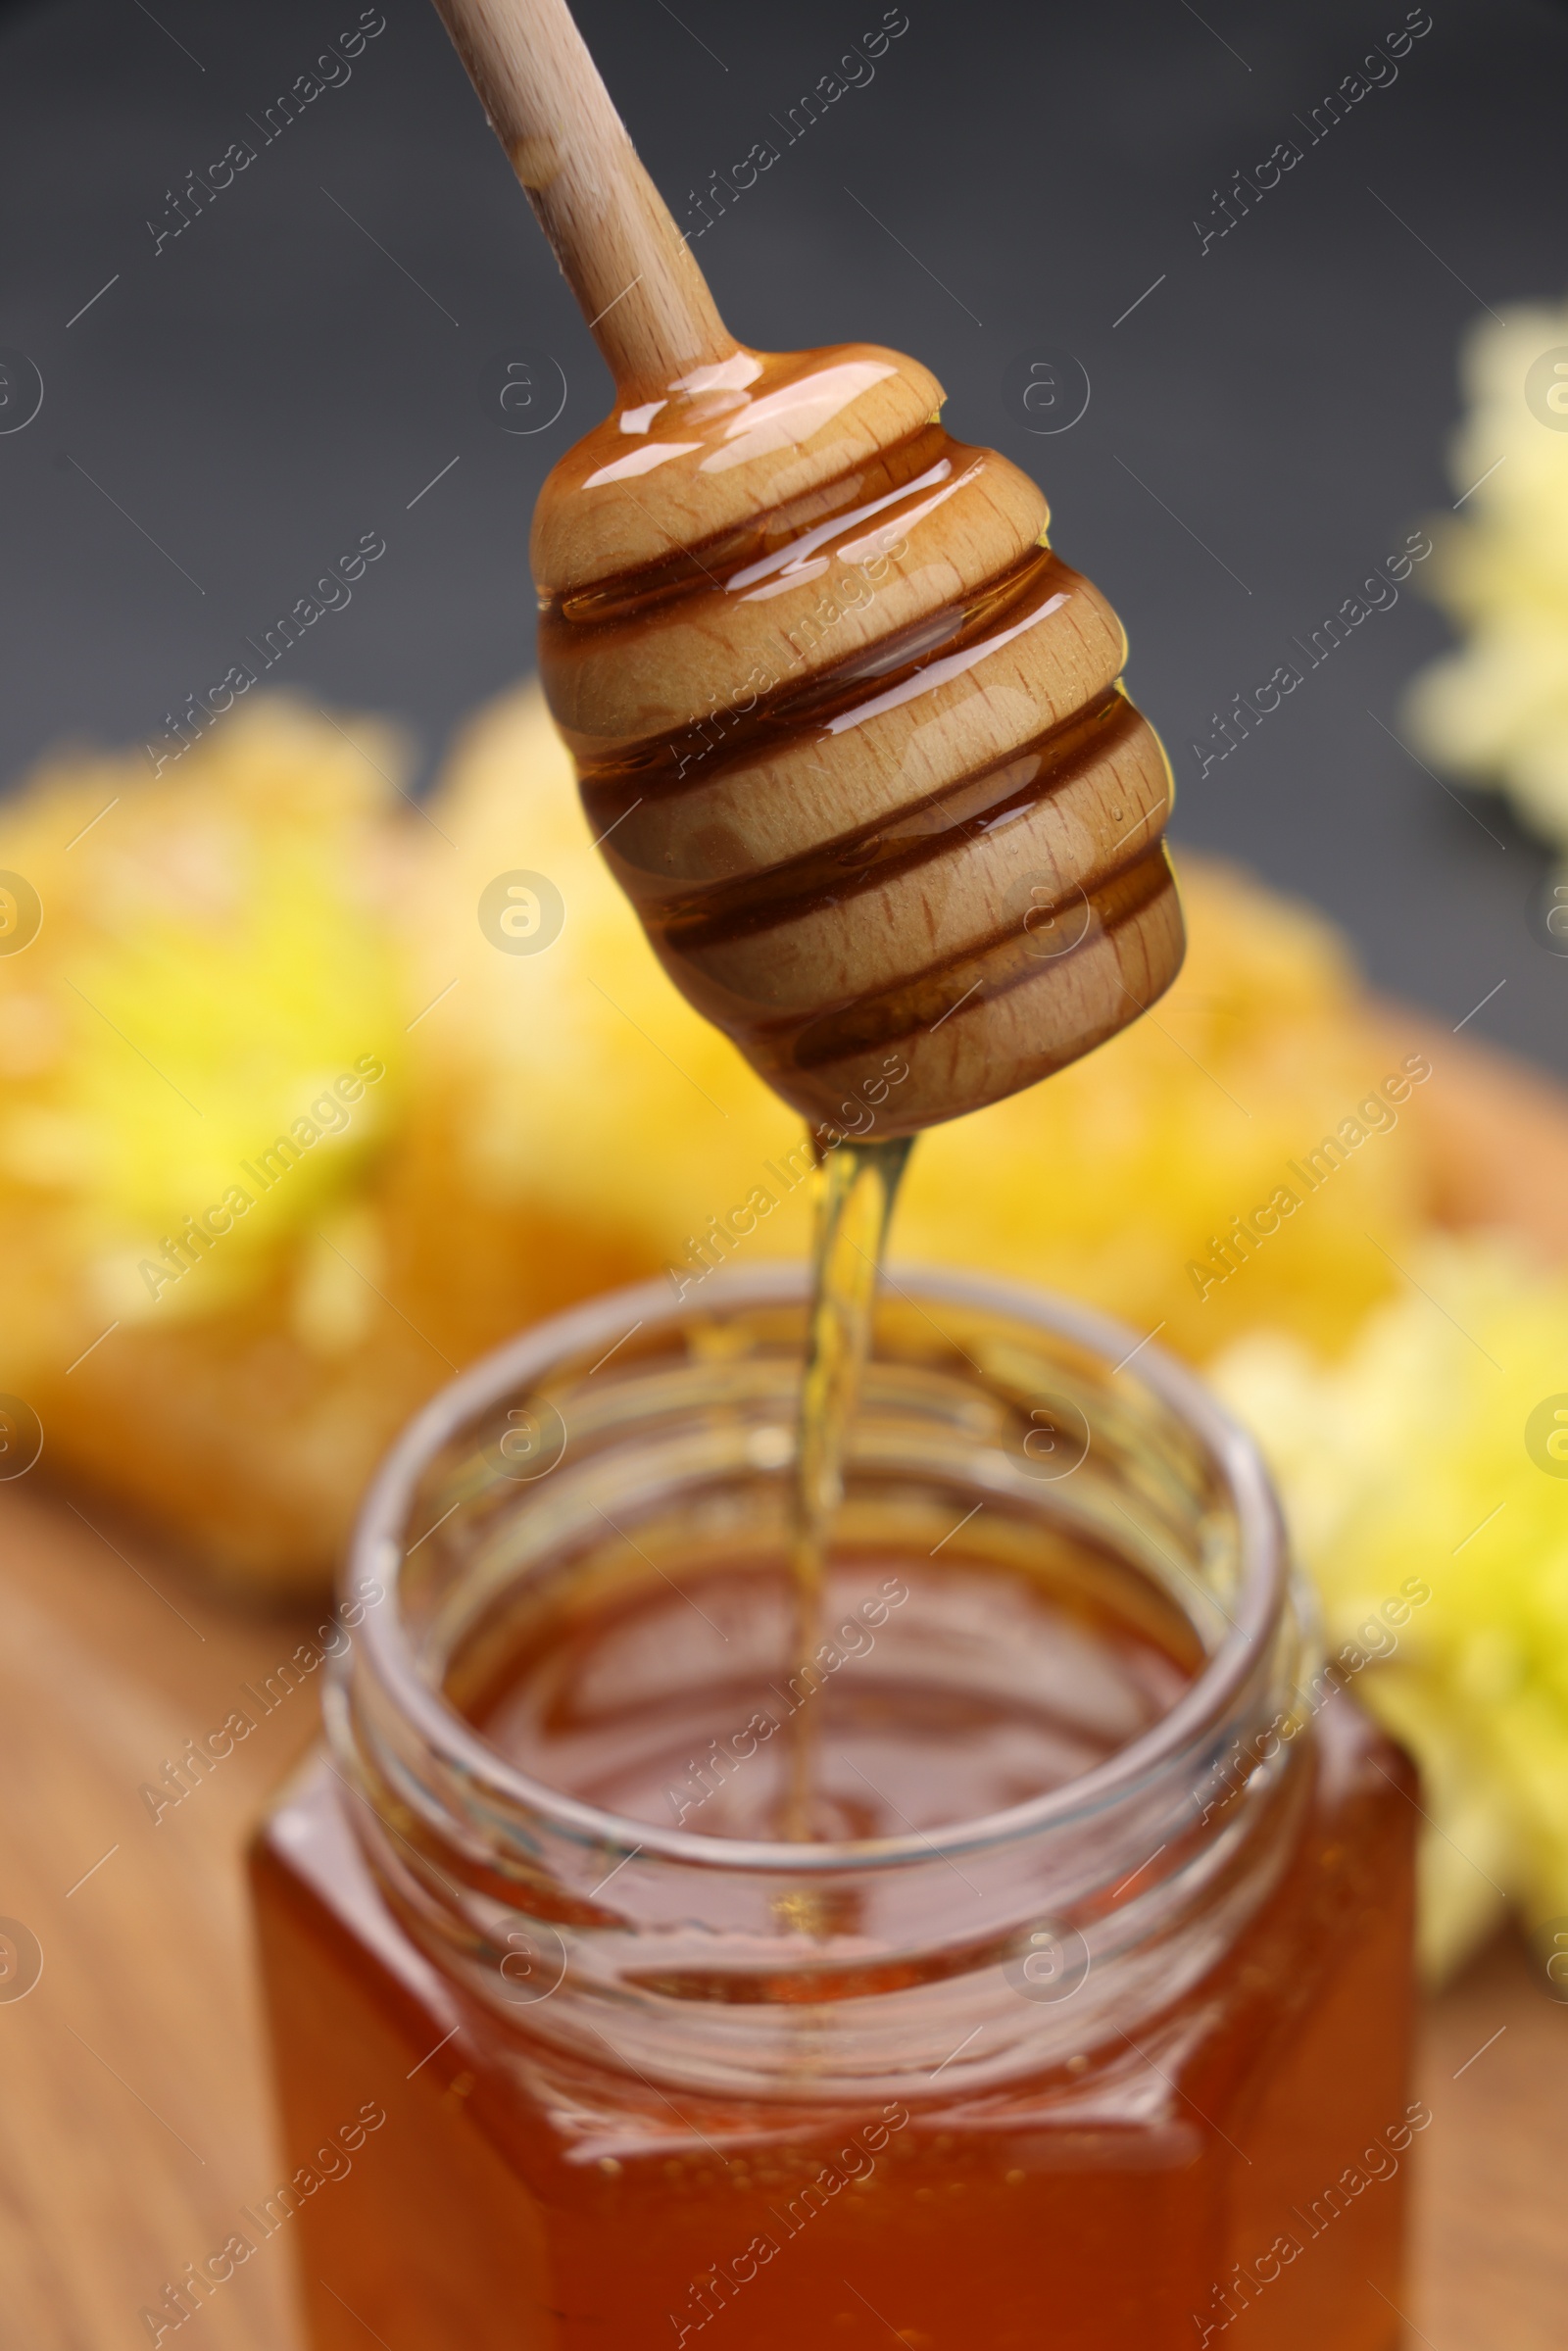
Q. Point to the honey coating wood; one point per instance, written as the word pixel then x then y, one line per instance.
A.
pixel 852 734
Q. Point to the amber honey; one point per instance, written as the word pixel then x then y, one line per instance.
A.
pixel 1081 2021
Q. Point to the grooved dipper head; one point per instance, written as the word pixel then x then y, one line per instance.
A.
pixel 854 738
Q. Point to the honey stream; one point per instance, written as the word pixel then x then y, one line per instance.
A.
pixel 856 1187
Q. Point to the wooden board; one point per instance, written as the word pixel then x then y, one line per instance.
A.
pixel 135 2105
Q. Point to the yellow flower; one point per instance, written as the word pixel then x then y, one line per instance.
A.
pixel 1496 711
pixel 210 960
pixel 1432 1458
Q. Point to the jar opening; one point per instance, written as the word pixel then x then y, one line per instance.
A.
pixel 1058 1580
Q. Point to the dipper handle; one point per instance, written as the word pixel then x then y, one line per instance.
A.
pixel 646 302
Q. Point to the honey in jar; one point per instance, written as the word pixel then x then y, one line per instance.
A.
pixel 1076 2014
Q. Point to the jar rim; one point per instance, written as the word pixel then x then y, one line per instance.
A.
pixel 376 1554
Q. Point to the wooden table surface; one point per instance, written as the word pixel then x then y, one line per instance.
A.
pixel 135 2107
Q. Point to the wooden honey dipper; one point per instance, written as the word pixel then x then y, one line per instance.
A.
pixel 851 736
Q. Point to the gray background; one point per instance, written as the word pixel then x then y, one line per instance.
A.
pixel 271 384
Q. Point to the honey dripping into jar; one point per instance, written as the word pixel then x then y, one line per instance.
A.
pixel 1000 1997
pixel 857 1187
pixel 851 736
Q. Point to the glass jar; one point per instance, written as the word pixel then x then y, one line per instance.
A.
pixel 1121 2063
